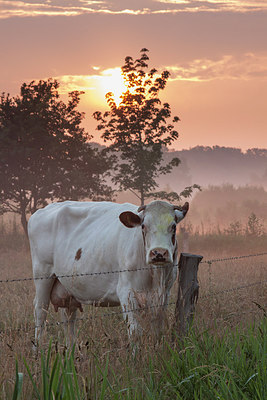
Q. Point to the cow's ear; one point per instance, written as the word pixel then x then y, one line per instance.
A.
pixel 129 219
pixel 180 212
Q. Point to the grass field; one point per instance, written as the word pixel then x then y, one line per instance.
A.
pixel 223 357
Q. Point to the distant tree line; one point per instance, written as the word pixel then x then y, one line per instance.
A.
pixel 46 155
pixel 230 210
pixel 216 165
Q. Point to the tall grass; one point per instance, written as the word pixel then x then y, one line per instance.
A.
pixel 224 357
pixel 202 366
pixel 11 234
pixel 223 245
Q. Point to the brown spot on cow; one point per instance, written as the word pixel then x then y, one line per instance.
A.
pixel 78 254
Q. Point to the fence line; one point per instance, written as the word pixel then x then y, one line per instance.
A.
pixel 233 258
pixel 109 314
pixel 140 309
pixel 125 270
pixel 84 274
pixel 91 317
pixel 233 289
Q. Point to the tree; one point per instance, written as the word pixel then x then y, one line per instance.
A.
pixel 44 151
pixel 254 226
pixel 140 129
pixel 234 229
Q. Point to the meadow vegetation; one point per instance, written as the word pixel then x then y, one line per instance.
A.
pixel 224 355
pixel 46 155
pixel 217 207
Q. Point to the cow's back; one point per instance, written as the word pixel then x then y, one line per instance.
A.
pixel 60 227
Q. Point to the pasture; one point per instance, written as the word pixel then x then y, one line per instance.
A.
pixel 224 355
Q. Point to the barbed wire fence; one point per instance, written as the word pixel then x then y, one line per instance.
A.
pixel 210 264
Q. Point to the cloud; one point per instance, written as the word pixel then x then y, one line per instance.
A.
pixel 14 8
pixel 69 83
pixel 245 67
pixel 107 80
pixel 34 8
pixel 214 5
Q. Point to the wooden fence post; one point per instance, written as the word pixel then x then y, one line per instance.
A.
pixel 187 292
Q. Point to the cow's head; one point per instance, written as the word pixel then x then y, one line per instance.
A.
pixel 158 222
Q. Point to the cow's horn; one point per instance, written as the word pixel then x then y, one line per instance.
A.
pixel 141 208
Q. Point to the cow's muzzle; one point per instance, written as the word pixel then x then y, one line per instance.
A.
pixel 159 256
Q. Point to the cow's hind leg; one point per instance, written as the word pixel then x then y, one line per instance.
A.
pixel 41 304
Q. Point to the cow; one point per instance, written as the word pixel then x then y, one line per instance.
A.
pixel 104 254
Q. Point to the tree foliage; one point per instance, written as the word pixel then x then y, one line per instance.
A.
pixel 139 129
pixel 44 151
pixel 254 226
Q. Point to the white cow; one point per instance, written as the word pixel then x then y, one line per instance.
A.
pixel 74 238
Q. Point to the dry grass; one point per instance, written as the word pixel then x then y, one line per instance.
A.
pixel 98 334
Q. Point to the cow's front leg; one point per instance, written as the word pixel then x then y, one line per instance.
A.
pixel 130 309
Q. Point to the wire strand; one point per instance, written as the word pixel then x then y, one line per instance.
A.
pixel 123 270
pixel 139 309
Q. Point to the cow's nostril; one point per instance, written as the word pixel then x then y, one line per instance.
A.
pixel 159 254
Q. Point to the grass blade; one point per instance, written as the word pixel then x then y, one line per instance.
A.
pixel 18 384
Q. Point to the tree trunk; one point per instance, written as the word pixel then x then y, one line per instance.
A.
pixel 185 240
pixel 23 219
pixel 142 197
pixel 23 205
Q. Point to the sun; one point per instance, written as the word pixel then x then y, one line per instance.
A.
pixel 112 81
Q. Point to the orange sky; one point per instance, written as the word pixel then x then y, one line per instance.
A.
pixel 215 50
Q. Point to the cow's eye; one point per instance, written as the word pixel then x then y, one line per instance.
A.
pixel 173 239
pixel 143 226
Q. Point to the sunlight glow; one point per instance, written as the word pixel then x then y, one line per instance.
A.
pixel 112 81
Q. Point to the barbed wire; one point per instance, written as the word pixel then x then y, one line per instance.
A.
pixel 84 274
pixel 139 309
pixel 12 280
pixel 233 258
pixel 233 289
pixel 109 314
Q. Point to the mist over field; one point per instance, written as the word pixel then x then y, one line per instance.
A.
pixel 216 166
pixel 233 183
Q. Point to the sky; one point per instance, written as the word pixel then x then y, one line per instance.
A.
pixel 216 52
